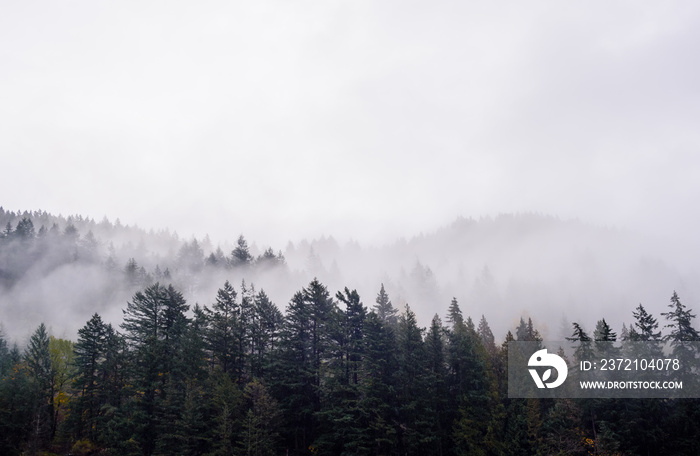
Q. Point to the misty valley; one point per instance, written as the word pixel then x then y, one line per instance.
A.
pixel 115 340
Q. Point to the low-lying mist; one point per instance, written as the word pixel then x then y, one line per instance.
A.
pixel 60 271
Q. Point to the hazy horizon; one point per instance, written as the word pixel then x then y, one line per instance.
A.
pixel 355 120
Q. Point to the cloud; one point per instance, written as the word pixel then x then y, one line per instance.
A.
pixel 357 119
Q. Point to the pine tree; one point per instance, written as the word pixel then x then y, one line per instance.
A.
pixel 378 384
pixel 412 386
pixel 266 333
pixel 260 434
pixel 473 386
pixel 645 326
pixel 18 404
pixel 306 347
pixel 246 330
pixel 454 314
pixel 584 350
pixel 341 420
pixel 63 366
pixel 131 273
pixel 644 330
pixel 487 338
pixel 38 359
pixel 438 416
pixel 353 332
pixel 680 322
pixel 224 327
pixel 384 309
pixel 527 331
pixel 228 414
pixel 240 256
pixel 25 229
pixel 682 333
pixel 603 337
pixel 89 354
pixel 5 361
pixel 8 231
pixel 190 258
pixel 294 376
pixel 154 325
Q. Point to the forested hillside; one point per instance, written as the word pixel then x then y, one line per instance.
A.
pixel 180 347
pixel 63 269
pixel 330 376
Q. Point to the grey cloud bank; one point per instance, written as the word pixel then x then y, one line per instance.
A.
pixel 360 120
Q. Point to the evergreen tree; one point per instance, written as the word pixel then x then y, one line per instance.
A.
pixel 265 333
pixel 527 331
pixel 190 257
pixel 414 430
pixel 260 434
pixel 487 338
pixel 454 314
pixel 353 332
pixel 224 327
pixel 384 309
pixel 294 376
pixel 131 272
pixel 5 361
pixel 228 414
pixel 63 366
pixel 269 260
pixel 306 347
pixel 681 330
pixel 584 350
pixel 240 256
pixel 90 352
pixel 18 404
pixel 25 229
pixel 341 420
pixel 8 231
pixel 473 387
pixel 246 328
pixel 603 336
pixel 38 359
pixel 438 413
pixel 378 383
pixel 154 325
pixel 645 326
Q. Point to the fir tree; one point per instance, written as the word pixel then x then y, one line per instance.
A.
pixel 384 309
pixel 487 338
pixel 584 350
pixel 224 327
pixel 260 436
pixel 682 333
pixel 378 384
pixel 454 314
pixel 240 256
pixel 154 325
pixel 644 330
pixel 415 432
pixel 38 359
pixel 265 333
pixel 603 337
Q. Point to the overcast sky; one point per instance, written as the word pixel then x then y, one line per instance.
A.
pixel 363 119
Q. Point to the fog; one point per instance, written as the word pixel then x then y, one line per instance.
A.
pixel 390 137
pixel 358 120
pixel 513 266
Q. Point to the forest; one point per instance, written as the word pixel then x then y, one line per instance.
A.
pixel 325 374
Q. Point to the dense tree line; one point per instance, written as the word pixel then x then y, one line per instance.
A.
pixel 329 376
pixel 24 248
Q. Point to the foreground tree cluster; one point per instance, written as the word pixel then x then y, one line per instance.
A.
pixel 328 377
